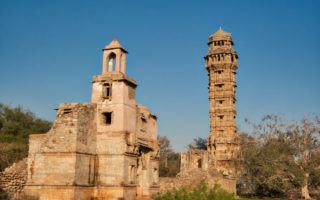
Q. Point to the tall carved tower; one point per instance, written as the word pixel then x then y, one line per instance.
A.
pixel 221 63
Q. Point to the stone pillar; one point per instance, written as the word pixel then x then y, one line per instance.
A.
pixel 118 62
pixel 123 63
pixel 104 63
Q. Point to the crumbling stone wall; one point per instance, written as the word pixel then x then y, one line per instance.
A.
pixel 193 159
pixel 194 177
pixel 13 178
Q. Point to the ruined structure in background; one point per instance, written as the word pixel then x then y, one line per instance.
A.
pixel 220 158
pixel 106 149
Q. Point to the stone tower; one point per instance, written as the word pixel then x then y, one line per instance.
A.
pixel 105 149
pixel 217 163
pixel 221 64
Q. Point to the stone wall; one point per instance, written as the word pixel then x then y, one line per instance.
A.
pixel 194 159
pixel 191 179
pixel 194 177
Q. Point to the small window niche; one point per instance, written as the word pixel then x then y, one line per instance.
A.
pixel 106 91
pixel 220 85
pixel 132 174
pixel 67 111
pixel 220 133
pixel 199 162
pixel 155 176
pixel 107 118
pixel 143 123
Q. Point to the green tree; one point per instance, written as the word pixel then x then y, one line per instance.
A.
pixel 3 195
pixel 169 160
pixel 16 124
pixel 198 143
pixel 303 136
pixel 281 156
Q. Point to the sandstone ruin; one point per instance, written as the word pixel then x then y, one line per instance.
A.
pixel 219 160
pixel 108 148
pixel 105 149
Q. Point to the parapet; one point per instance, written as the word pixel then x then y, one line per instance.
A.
pixel 114 76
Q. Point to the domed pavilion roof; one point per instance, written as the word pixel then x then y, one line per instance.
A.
pixel 115 44
pixel 220 35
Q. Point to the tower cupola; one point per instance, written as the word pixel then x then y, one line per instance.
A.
pixel 114 58
pixel 221 49
pixel 220 35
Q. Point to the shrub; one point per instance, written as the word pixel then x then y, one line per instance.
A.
pixel 16 124
pixel 202 192
pixel 3 195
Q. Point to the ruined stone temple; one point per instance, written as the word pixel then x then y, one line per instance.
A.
pixel 220 158
pixel 105 149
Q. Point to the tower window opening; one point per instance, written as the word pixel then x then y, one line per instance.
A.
pixel 132 174
pixel 111 62
pixel 220 116
pixel 155 175
pixel 106 92
pixel 66 111
pixel 221 102
pixel 199 163
pixel 107 117
pixel 143 124
pixel 219 85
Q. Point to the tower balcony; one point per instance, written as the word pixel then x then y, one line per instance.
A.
pixel 230 141
pixel 231 110
pixel 221 66
pixel 222 125
pixel 222 80
pixel 217 91
pixel 216 95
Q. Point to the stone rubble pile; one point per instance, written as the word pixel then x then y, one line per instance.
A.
pixel 14 178
pixel 191 179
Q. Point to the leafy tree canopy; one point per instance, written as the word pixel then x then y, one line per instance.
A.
pixel 16 124
pixel 279 156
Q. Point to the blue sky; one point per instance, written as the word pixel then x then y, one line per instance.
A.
pixel 49 51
